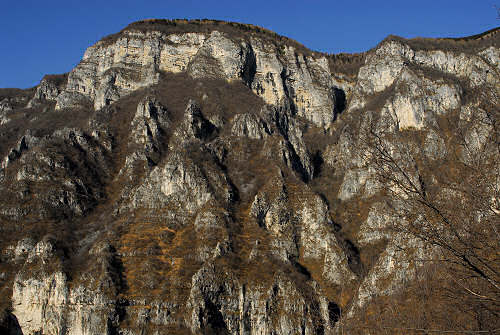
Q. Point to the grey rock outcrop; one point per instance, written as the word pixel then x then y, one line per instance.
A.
pixel 277 74
pixel 47 90
pixel 249 126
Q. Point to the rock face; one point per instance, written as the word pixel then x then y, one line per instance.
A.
pixel 112 69
pixel 216 178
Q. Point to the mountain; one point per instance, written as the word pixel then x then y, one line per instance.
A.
pixel 209 177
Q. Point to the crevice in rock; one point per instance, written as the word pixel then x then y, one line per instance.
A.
pixel 119 314
pixel 10 325
pixel 211 320
pixel 334 313
pixel 339 102
pixel 317 161
pixel 249 67
pixel 288 91
pixel 320 330
pixel 281 121
pixel 117 269
pixel 353 257
pixel 296 163
pixel 202 128
pixel 301 269
pixel 351 251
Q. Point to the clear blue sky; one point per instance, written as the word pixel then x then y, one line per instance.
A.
pixel 46 37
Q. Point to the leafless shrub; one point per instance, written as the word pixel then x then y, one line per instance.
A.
pixel 452 207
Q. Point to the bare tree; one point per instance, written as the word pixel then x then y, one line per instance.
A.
pixel 451 204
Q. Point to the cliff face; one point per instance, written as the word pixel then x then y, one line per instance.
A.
pixel 209 177
pixel 111 69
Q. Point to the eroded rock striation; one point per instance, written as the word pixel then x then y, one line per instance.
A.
pixel 193 177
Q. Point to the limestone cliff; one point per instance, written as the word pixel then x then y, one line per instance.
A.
pixel 193 177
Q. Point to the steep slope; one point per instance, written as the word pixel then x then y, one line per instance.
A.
pixel 213 177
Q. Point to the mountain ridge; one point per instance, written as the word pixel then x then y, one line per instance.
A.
pixel 195 23
pixel 188 183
